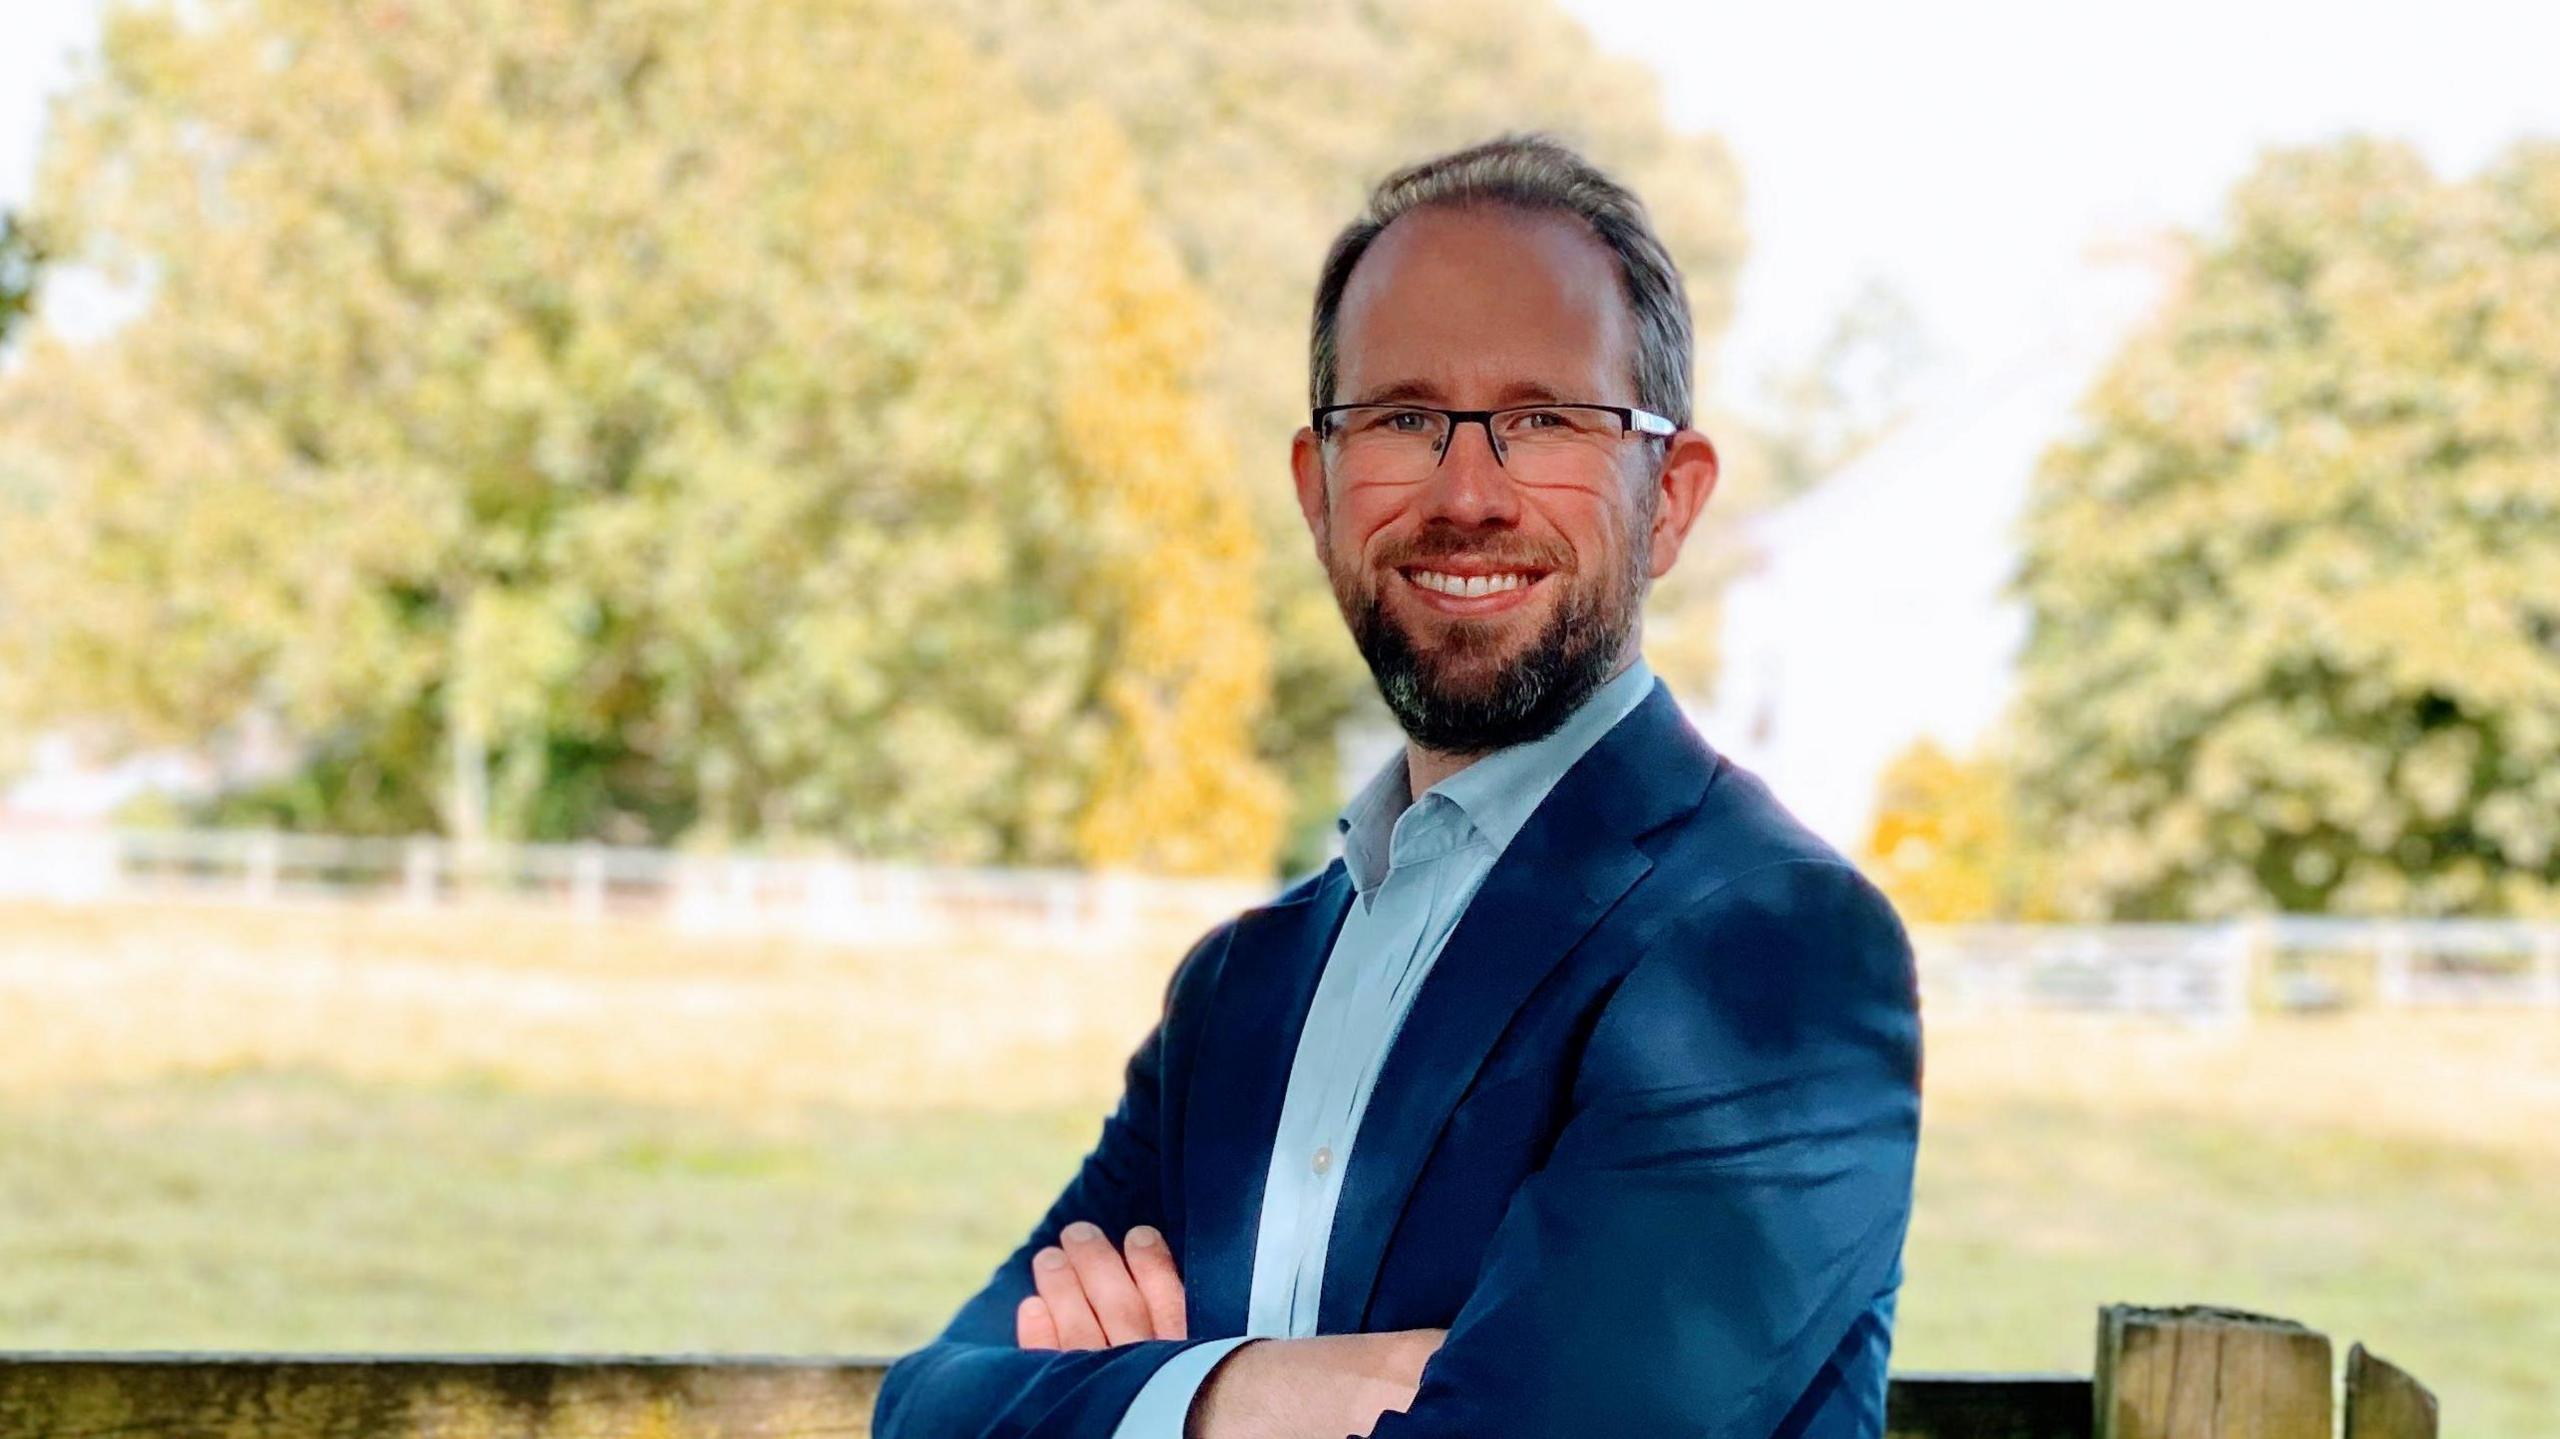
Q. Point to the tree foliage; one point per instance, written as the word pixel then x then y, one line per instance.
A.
pixel 21 256
pixel 2296 592
pixel 1836 402
pixel 1175 789
pixel 657 418
pixel 636 417
pixel 1945 845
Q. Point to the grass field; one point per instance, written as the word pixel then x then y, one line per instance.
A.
pixel 336 1131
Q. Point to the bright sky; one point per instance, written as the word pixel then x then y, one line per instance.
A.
pixel 36 38
pixel 1964 153
pixel 1967 152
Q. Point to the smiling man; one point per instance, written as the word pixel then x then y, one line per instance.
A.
pixel 1581 1094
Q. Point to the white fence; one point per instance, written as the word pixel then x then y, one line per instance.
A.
pixel 2191 971
pixel 2201 972
pixel 822 897
pixel 2221 973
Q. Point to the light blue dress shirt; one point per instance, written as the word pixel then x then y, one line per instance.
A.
pixel 1414 864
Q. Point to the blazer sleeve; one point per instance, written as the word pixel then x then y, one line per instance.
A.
pixel 970 1381
pixel 1726 1199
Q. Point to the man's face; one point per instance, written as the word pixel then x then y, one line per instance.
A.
pixel 1479 308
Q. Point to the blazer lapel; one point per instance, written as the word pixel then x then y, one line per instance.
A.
pixel 1565 869
pixel 1238 1080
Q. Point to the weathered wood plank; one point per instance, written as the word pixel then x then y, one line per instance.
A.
pixel 209 1396
pixel 1987 1406
pixel 2383 1402
pixel 2203 1373
pixel 321 1396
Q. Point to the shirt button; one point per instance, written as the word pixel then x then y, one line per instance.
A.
pixel 1324 1158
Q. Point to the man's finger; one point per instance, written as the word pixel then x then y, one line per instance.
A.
pixel 1159 1283
pixel 1056 1280
pixel 1032 1326
pixel 1107 1285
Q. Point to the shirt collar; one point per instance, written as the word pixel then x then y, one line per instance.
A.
pixel 1497 793
pixel 1368 822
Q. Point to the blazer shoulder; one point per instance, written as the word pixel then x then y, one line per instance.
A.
pixel 1782 955
pixel 1745 876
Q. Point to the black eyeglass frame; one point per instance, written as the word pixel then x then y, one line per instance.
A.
pixel 1631 420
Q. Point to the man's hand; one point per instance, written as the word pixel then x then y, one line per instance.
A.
pixel 1090 1298
pixel 1321 1388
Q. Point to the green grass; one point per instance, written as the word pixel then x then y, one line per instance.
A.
pixel 266 1210
pixel 296 1211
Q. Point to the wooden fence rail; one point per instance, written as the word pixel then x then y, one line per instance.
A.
pixel 825 897
pixel 2161 1374
pixel 2217 973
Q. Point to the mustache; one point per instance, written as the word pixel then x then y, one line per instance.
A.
pixel 1427 547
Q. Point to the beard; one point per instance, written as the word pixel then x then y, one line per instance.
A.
pixel 1435 694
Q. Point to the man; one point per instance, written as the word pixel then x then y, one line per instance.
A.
pixel 1580 1096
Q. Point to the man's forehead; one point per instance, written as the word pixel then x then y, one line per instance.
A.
pixel 1505 304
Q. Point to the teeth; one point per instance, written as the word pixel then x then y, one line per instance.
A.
pixel 1468 586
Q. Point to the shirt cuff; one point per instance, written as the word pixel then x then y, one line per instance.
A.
pixel 1164 1405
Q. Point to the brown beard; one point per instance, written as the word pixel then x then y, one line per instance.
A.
pixel 1527 699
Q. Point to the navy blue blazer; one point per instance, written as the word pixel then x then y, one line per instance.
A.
pixel 1644 1144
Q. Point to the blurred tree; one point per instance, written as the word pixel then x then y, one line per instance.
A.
pixel 2296 593
pixel 1258 130
pixel 1178 554
pixel 633 417
pixel 20 258
pixel 1943 845
pixel 1848 393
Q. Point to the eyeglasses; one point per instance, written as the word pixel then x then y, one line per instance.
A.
pixel 1538 444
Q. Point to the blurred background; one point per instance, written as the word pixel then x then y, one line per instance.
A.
pixel 634 632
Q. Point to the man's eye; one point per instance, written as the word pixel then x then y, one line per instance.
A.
pixel 1397 420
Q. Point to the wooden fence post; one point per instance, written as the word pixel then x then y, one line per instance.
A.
pixel 2248 962
pixel 2391 986
pixel 418 873
pixel 586 882
pixel 2383 1402
pixel 2546 966
pixel 263 860
pixel 2199 1373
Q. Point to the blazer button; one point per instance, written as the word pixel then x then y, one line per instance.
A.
pixel 1323 1159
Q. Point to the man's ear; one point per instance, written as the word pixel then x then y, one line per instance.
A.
pixel 1687 478
pixel 1306 465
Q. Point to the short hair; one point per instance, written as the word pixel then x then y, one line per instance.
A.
pixel 1534 172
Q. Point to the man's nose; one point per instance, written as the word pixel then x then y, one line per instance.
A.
pixel 1469 485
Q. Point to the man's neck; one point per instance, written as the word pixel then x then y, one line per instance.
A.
pixel 1426 767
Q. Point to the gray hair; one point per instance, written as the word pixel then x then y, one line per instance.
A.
pixel 1540 173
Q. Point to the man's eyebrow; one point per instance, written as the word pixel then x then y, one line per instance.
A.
pixel 1400 390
